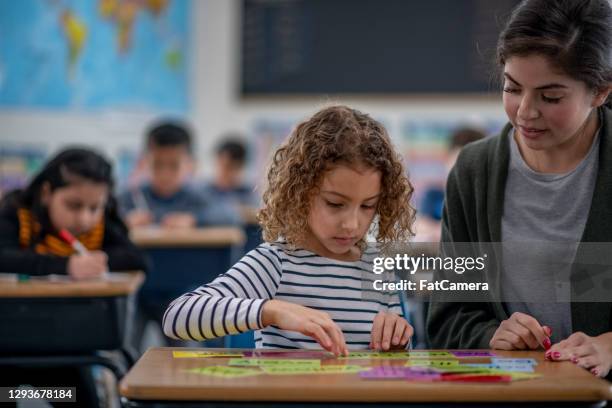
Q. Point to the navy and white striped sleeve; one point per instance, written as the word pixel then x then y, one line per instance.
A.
pixel 231 303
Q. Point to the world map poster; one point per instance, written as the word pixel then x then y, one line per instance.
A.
pixel 95 54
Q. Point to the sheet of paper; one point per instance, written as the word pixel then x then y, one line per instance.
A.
pixel 269 362
pixel 203 354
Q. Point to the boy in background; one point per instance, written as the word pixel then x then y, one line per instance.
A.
pixel 230 162
pixel 167 200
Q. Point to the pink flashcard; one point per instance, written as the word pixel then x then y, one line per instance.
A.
pixel 400 373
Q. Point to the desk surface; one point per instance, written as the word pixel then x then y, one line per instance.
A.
pixel 159 376
pixel 116 284
pixel 189 237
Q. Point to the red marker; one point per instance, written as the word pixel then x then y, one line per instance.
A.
pixel 74 243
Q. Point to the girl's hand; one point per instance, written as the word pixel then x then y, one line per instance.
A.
pixel 520 332
pixel 390 331
pixel 138 218
pixel 87 266
pixel 310 322
pixel 591 353
pixel 178 220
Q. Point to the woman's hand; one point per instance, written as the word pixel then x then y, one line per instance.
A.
pixel 390 331
pixel 591 353
pixel 87 266
pixel 310 322
pixel 520 332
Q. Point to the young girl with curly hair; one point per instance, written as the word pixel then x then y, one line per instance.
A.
pixel 336 179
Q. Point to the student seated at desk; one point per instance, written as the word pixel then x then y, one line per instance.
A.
pixel 167 200
pixel 230 160
pixel 71 192
pixel 336 174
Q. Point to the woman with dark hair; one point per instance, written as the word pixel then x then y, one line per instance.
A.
pixel 546 178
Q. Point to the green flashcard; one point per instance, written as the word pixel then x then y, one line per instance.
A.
pixel 431 354
pixel 326 369
pixel 225 372
pixel 377 355
pixel 432 363
pixel 400 355
pixel 268 362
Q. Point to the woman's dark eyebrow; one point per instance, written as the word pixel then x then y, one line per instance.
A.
pixel 540 88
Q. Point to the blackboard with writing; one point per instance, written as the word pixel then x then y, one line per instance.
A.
pixel 370 46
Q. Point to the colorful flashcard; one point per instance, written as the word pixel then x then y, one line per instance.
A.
pixel 325 369
pixel 268 362
pixel 403 373
pixel 398 355
pixel 203 354
pixel 472 353
pixel 527 361
pixel 307 354
pixel 524 368
pixel 432 363
pixel 225 372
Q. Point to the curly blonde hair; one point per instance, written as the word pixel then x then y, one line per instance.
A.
pixel 334 135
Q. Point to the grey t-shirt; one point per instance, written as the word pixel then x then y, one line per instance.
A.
pixel 544 218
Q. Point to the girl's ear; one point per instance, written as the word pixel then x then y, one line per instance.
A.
pixel 45 193
pixel 601 96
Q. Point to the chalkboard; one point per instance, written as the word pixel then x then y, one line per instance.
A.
pixel 370 46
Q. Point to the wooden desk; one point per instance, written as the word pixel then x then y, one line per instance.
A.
pixel 50 315
pixel 116 284
pixel 158 377
pixel 187 237
pixel 50 322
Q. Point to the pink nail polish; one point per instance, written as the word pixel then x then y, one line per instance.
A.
pixel 574 360
pixel 556 355
pixel 547 343
pixel 595 372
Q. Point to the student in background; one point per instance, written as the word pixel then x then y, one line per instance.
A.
pixel 303 288
pixel 545 179
pixel 167 200
pixel 228 183
pixel 428 225
pixel 73 191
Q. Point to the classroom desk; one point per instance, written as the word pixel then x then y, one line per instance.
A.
pixel 182 260
pixel 51 321
pixel 159 380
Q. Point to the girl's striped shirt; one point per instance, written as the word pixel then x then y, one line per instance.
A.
pixel 232 303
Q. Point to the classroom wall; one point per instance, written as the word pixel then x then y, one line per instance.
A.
pixel 216 106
